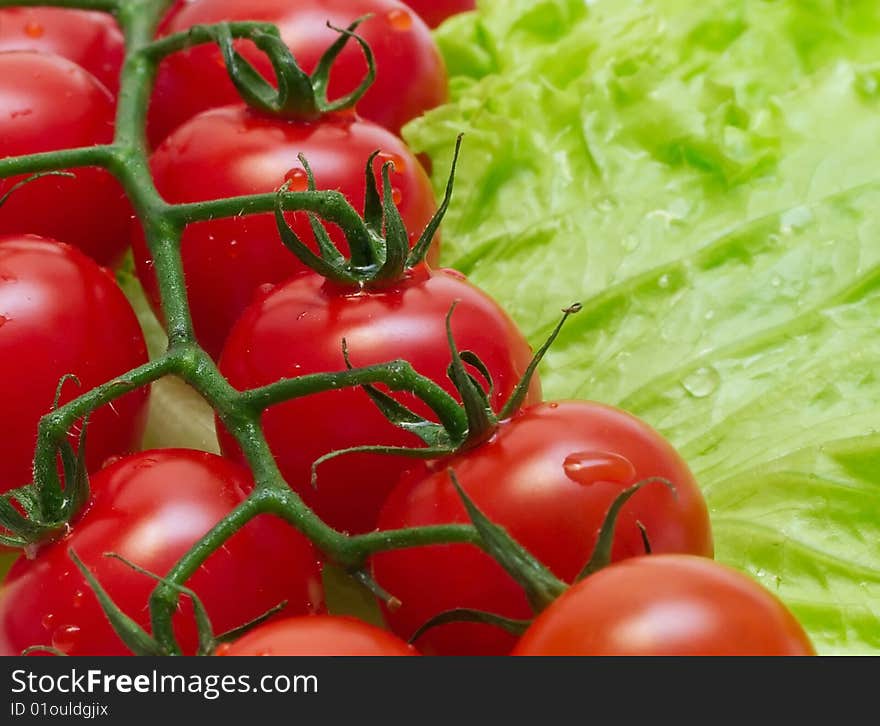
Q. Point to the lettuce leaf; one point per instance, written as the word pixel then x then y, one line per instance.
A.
pixel 704 178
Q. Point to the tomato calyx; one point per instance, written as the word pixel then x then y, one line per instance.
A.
pixel 136 639
pixel 299 96
pixel 482 421
pixel 379 242
pixel 29 518
pixel 541 586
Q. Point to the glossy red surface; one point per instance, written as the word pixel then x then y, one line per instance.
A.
pixel 548 477
pixel 60 313
pixel 298 329
pixel 151 508
pixel 232 151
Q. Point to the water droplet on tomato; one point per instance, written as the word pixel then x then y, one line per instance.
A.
pixel 589 467
pixel 263 290
pixel 554 405
pixel 298 179
pixel 34 30
pixel 64 638
pixel 78 598
pixel 234 249
pixel 399 164
pixel 396 195
pixel 48 621
pixel 110 461
pixel 399 19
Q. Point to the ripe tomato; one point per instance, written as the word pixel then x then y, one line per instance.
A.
pixel 231 151
pixel 325 635
pixel 90 39
pixel 666 605
pixel 410 75
pixel 298 329
pixel 60 313
pixel 151 508
pixel 548 477
pixel 49 103
pixel 434 12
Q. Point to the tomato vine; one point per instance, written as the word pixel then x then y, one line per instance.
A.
pixel 126 157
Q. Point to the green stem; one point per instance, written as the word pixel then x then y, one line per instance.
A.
pixel 199 35
pixel 57 160
pixel 163 601
pixel 397 375
pixel 163 224
pixel 54 426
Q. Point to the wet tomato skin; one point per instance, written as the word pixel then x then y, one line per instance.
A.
pixel 434 12
pixel 666 605
pixel 298 329
pixel 232 151
pixel 410 74
pixel 90 39
pixel 548 476
pixel 151 508
pixel 60 313
pixel 48 103
pixel 320 635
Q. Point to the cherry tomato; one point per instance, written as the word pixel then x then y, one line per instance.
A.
pixel 434 12
pixel 90 39
pixel 151 508
pixel 548 477
pixel 666 605
pixel 231 151
pixel 60 313
pixel 298 329
pixel 410 75
pixel 325 635
pixel 49 103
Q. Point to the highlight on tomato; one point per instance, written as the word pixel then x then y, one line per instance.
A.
pixel 60 315
pixel 90 39
pixel 548 476
pixel 321 635
pixel 299 328
pixel 151 508
pixel 410 74
pixel 48 103
pixel 234 150
pixel 666 605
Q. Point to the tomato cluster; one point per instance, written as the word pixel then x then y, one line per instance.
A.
pixel 557 478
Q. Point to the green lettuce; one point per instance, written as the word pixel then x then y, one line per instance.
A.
pixel 704 178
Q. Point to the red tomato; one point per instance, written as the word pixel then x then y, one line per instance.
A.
pixel 325 635
pixel 90 39
pixel 666 605
pixel 49 103
pixel 151 508
pixel 231 151
pixel 410 76
pixel 434 12
pixel 60 313
pixel 298 329
pixel 548 477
